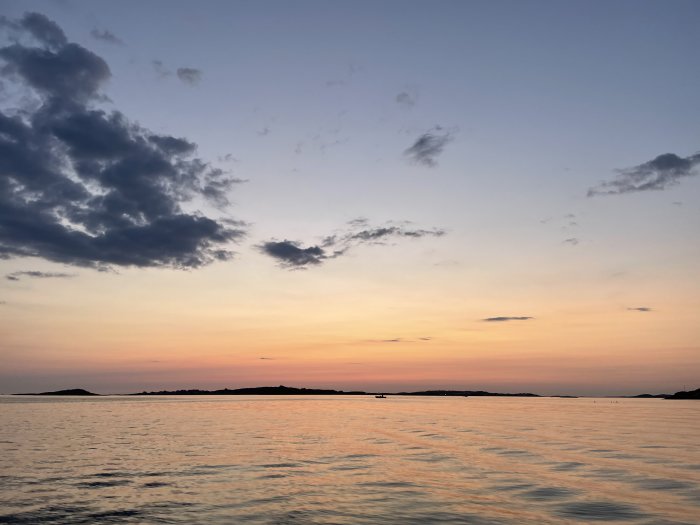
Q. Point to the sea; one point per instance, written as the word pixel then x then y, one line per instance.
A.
pixel 348 460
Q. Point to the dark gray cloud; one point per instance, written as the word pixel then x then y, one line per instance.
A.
pixel 405 100
pixel 292 254
pixel 658 174
pixel 16 276
pixel 42 29
pixel 640 309
pixel 429 146
pixel 83 186
pixel 376 235
pixel 502 319
pixel 106 36
pixel 573 241
pixel 189 75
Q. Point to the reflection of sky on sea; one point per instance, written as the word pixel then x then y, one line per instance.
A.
pixel 348 460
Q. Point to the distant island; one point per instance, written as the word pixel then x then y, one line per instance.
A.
pixel 70 392
pixel 462 393
pixel 253 391
pixel 287 390
pixel 692 394
pixel 293 391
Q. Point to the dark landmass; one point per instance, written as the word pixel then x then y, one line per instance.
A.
pixel 462 393
pixel 286 390
pixel 650 396
pixel 566 397
pixel 255 391
pixel 692 394
pixel 71 392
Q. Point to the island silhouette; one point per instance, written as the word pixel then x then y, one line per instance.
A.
pixel 282 390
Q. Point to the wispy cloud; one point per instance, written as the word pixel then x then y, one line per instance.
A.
pixel 296 255
pixel 161 70
pixel 189 75
pixel 657 174
pixel 16 276
pixel 400 340
pixel 573 241
pixel 639 309
pixel 429 146
pixel 106 36
pixel 503 319
pixel 405 100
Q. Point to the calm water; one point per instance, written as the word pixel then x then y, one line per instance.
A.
pixel 343 460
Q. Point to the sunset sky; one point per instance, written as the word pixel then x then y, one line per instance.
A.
pixel 392 195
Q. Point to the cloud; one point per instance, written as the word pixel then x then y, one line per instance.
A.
pixel 399 340
pixel 428 147
pixel 88 187
pixel 573 241
pixel 189 75
pixel 640 309
pixel 505 319
pixel 292 254
pixel 106 36
pixel 405 100
pixel 658 174
pixel 377 234
pixel 16 276
pixel 42 29
pixel 160 69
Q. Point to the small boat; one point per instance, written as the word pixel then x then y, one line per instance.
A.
pixel 380 396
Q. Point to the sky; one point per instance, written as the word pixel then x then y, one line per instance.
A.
pixel 396 195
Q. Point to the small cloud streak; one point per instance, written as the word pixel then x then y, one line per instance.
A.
pixel 189 75
pixel 16 276
pixel 657 174
pixel 573 241
pixel 429 146
pixel 503 319
pixel 160 69
pixel 400 340
pixel 106 36
pixel 295 255
pixel 639 309
pixel 405 100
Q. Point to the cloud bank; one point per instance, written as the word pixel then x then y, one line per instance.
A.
pixel 657 174
pixel 88 187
